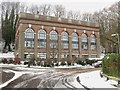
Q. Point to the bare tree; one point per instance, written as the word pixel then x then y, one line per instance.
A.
pixel 73 15
pixel 23 8
pixel 119 32
pixel 45 9
pixel 108 21
pixel 34 9
pixel 87 17
pixel 59 11
pixel 95 17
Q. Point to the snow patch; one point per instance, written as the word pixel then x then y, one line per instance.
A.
pixel 17 75
pixel 93 80
pixel 7 55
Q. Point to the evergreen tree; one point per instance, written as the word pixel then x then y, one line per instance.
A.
pixel 9 20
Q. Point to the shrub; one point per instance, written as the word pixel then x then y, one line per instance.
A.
pixel 10 61
pixel 110 65
pixel 56 64
pixel 63 63
pixel 38 63
pixel 47 65
pixel 4 61
pixel 81 62
pixel 69 64
pixel 90 62
pixel 52 64
pixel 17 61
pixel 26 63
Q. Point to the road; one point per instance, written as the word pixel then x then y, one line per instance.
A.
pixel 41 78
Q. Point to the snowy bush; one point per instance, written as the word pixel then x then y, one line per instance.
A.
pixel 17 61
pixel 26 63
pixel 90 62
pixel 10 61
pixel 81 62
pixel 69 64
pixel 39 63
pixel 47 65
pixel 63 63
pixel 97 64
pixel 56 64
pixel 52 64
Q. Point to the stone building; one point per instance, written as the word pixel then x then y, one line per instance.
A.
pixel 52 37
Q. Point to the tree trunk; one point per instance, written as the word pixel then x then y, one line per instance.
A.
pixel 9 48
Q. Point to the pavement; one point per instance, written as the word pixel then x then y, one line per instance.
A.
pixel 39 78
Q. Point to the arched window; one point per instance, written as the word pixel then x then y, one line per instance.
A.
pixel 92 42
pixel 53 39
pixel 29 38
pixel 74 41
pixel 64 38
pixel 42 39
pixel 84 40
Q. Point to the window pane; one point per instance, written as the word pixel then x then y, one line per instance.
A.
pixel 74 41
pixel 42 39
pixel 84 42
pixel 92 42
pixel 53 39
pixel 64 38
pixel 53 35
pixel 54 45
pixel 29 38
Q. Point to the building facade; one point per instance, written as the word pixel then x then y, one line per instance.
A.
pixel 52 37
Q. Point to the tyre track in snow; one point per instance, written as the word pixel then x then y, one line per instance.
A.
pixel 67 84
pixel 48 79
pixel 51 81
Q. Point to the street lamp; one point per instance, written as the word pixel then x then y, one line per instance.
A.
pixel 118 41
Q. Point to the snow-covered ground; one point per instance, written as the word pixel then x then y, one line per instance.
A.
pixel 7 55
pixel 40 67
pixel 93 80
pixel 17 75
pixel 88 79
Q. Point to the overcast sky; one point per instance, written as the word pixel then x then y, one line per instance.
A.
pixel 75 5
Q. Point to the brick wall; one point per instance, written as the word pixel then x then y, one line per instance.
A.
pixel 38 22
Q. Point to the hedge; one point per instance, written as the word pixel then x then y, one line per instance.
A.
pixel 111 65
